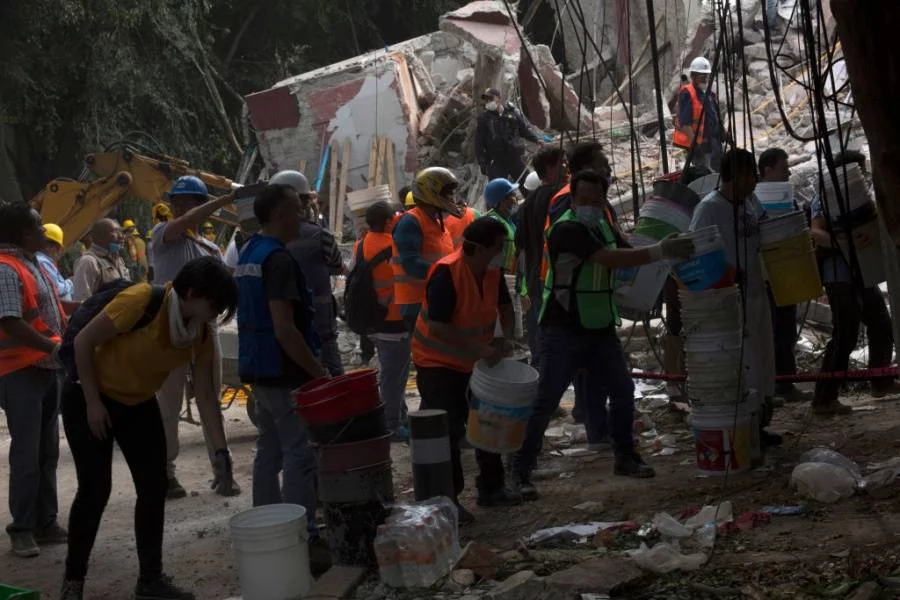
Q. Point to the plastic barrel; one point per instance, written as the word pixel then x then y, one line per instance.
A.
pixel 500 405
pixel 271 551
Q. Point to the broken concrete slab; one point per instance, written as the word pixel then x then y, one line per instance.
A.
pixel 566 110
pixel 604 575
pixel 535 104
pixel 526 585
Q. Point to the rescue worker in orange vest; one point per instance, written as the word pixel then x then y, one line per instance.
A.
pixel 32 320
pixel 391 337
pixel 705 138
pixel 456 225
pixel 421 238
pixel 455 329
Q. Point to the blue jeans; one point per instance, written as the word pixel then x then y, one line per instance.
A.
pixel 282 446
pixel 393 356
pixel 563 352
pixel 30 398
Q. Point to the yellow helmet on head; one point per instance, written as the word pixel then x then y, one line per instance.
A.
pixel 54 233
pixel 127 224
pixel 435 186
pixel 162 212
pixel 410 200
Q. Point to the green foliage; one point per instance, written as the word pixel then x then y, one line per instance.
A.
pixel 79 75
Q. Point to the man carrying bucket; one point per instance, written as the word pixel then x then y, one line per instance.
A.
pixel 578 326
pixel 735 197
pixel 455 328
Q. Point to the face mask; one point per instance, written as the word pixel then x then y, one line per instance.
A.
pixel 498 262
pixel 589 215
pixel 114 247
pixel 493 106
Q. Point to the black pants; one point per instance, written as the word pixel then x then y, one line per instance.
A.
pixel 366 348
pixel 447 389
pixel 784 330
pixel 139 433
pixel 849 308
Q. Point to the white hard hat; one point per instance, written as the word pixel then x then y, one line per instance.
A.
pixel 700 65
pixel 533 181
pixel 294 179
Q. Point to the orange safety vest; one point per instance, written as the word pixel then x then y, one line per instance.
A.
pixel 13 355
pixel 679 138
pixel 383 274
pixel 457 225
pixel 436 244
pixel 475 316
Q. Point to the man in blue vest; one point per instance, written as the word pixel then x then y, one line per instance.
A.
pixel 278 351
pixel 578 326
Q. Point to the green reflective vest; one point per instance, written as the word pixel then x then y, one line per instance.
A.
pixel 580 286
pixel 509 246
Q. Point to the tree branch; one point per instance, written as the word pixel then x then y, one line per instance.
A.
pixel 235 43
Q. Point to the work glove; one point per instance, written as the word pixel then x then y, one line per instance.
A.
pixel 548 138
pixel 673 247
pixel 223 478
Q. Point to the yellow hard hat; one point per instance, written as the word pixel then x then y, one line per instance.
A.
pixel 409 200
pixel 54 233
pixel 127 224
pixel 435 186
pixel 162 210
pixel 208 225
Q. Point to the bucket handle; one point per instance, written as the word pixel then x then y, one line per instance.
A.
pixel 340 433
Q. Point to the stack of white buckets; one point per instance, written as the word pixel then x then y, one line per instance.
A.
pixel 724 414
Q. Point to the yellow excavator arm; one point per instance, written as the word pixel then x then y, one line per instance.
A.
pixel 76 205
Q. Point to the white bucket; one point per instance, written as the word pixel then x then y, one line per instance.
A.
pixel 509 382
pixel 667 212
pixel 359 201
pixel 638 288
pixel 271 552
pixel 724 437
pixel 867 243
pixel 853 189
pixel 704 185
pixel 777 197
pixel 713 342
pixel 772 231
pixel 500 405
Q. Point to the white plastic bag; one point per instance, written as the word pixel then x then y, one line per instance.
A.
pixel 826 455
pixel 665 558
pixel 823 482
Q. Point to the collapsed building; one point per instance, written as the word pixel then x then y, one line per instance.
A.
pixel 422 95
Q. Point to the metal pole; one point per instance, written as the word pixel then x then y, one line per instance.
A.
pixel 654 57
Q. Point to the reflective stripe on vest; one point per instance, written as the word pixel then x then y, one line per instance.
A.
pixel 474 316
pixel 679 138
pixel 436 244
pixel 457 225
pixel 383 274
pixel 583 287
pixel 509 245
pixel 13 355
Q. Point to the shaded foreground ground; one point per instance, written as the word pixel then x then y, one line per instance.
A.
pixel 793 557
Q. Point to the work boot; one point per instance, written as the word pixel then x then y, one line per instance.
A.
pixel 524 486
pixel 160 588
pixel 51 534
pixel 72 590
pixel 632 465
pixel 23 544
pixel 501 497
pixel 174 490
pixel 465 517
pixel 319 555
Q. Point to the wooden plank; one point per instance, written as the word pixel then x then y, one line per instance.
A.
pixel 380 160
pixel 302 166
pixel 373 157
pixel 391 171
pixel 342 192
pixel 333 185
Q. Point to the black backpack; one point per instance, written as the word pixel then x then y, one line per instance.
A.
pixel 362 311
pixel 91 307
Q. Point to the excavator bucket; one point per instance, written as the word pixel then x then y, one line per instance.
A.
pixel 151 177
pixel 76 205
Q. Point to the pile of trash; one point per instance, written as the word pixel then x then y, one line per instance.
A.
pixel 827 476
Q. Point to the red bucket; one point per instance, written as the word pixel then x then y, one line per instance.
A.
pixel 320 389
pixel 338 458
pixel 362 381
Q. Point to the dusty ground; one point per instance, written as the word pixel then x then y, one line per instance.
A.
pixel 793 557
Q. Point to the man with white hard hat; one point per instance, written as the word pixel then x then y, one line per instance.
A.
pixel 696 99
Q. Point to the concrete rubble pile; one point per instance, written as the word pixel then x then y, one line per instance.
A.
pixel 424 94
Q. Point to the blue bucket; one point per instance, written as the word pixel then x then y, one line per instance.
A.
pixel 708 266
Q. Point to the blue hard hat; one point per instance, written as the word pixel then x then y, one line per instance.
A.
pixel 188 185
pixel 496 190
